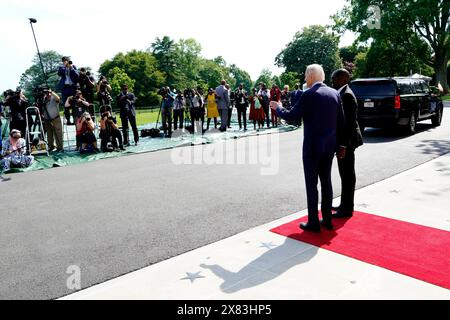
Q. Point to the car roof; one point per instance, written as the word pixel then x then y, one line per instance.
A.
pixel 387 79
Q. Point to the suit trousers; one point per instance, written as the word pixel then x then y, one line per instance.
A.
pixel 223 118
pixel 348 179
pixel 318 166
pixel 132 118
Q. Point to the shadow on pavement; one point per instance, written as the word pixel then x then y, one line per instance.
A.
pixel 237 281
pixel 386 135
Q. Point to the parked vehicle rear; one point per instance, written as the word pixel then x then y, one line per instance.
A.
pixel 390 102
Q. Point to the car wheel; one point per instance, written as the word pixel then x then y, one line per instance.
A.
pixel 437 119
pixel 411 127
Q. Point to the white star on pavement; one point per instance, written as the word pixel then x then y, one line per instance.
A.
pixel 269 245
pixel 193 276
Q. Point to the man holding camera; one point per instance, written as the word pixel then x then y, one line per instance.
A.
pixel 52 120
pixel 126 102
pixel 68 83
pixel 18 105
pixel 178 110
pixel 167 111
pixel 109 131
pixel 103 92
pixel 85 133
pixel 241 105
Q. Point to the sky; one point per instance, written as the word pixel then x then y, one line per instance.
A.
pixel 248 33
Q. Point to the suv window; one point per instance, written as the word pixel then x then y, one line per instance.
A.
pixel 418 87
pixel 425 87
pixel 373 88
pixel 405 88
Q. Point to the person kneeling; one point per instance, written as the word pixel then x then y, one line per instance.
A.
pixel 85 133
pixel 110 133
pixel 13 152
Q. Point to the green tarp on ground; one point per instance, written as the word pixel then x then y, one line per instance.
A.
pixel 148 144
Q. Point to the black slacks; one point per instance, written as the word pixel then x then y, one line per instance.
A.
pixel 132 119
pixel 318 166
pixel 348 180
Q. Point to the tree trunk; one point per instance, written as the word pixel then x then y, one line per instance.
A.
pixel 440 68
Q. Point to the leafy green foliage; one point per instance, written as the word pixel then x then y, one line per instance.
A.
pixel 410 30
pixel 33 76
pixel 141 67
pixel 314 44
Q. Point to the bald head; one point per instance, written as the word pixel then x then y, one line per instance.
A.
pixel 340 78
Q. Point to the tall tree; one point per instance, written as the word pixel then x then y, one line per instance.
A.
pixel 410 24
pixel 165 52
pixel 241 76
pixel 265 77
pixel 314 44
pixel 141 67
pixel 33 76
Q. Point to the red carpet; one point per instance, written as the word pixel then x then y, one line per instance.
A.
pixel 410 249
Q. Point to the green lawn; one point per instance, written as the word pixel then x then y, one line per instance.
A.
pixel 143 117
pixel 446 98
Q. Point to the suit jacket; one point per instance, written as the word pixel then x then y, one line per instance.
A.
pixel 73 74
pixel 295 96
pixel 126 105
pixel 352 134
pixel 223 98
pixel 321 110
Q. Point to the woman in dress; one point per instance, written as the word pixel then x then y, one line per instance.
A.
pixel 256 110
pixel 211 104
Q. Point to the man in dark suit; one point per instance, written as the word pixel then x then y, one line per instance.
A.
pixel 353 139
pixel 126 102
pixel 320 107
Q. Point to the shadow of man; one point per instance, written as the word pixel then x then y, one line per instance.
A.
pixel 234 281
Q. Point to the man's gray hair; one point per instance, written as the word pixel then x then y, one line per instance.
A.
pixel 317 70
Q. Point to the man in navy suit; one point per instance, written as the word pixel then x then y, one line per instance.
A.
pixel 320 107
pixel 68 84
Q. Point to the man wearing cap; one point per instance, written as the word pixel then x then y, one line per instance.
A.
pixel 52 120
pixel 68 82
pixel 126 102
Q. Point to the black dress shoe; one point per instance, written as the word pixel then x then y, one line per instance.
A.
pixel 327 224
pixel 310 227
pixel 342 214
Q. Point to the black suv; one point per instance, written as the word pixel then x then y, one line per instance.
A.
pixel 402 101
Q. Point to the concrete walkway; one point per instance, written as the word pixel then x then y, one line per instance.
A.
pixel 258 264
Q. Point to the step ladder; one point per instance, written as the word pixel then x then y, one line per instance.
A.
pixel 42 146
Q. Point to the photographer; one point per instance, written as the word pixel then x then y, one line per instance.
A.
pixel 104 92
pixel 167 110
pixel 241 105
pixel 109 131
pixel 87 85
pixel 68 83
pixel 85 134
pixel 52 119
pixel 178 110
pixel 126 101
pixel 13 152
pixel 78 104
pixel 18 104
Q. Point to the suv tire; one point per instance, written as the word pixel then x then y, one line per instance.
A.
pixel 437 119
pixel 412 124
